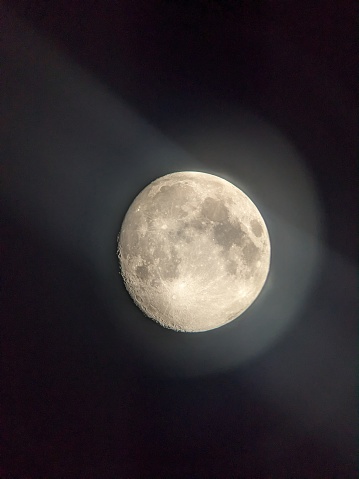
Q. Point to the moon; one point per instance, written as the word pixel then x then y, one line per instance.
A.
pixel 194 251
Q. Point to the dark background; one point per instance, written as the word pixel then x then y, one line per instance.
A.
pixel 89 85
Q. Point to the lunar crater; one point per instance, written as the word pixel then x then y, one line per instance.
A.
pixel 256 228
pixel 142 272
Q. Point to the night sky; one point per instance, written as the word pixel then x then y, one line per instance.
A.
pixel 98 99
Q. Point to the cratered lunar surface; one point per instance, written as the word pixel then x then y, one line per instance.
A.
pixel 194 251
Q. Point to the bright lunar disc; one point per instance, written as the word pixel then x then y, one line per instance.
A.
pixel 194 251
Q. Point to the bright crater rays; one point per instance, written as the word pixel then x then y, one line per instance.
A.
pixel 194 251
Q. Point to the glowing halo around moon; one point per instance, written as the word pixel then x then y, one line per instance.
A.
pixel 194 251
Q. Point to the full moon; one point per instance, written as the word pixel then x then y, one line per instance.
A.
pixel 194 251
